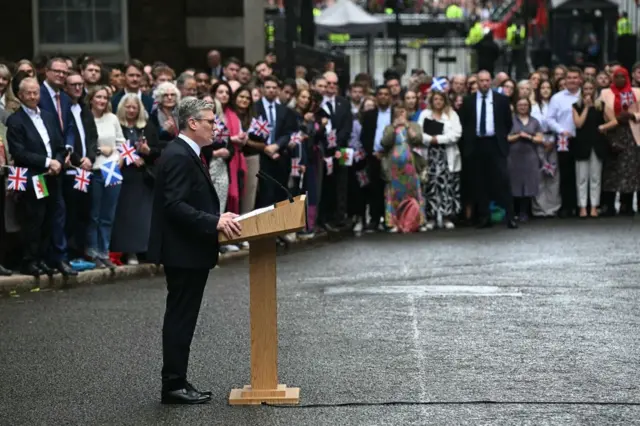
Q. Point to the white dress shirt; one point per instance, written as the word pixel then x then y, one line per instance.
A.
pixel 272 126
pixel 3 101
pixel 559 115
pixel 325 105
pixel 36 119
pixel 490 123
pixel 194 146
pixel 76 109
pixel 384 120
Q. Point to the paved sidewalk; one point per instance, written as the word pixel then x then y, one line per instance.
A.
pixel 16 284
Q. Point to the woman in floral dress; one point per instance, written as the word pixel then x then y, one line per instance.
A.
pixel 402 165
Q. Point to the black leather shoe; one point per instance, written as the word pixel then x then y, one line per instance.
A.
pixel 512 224
pixel 32 269
pixel 46 269
pixel 190 387
pixel 4 272
pixel 184 396
pixel 66 269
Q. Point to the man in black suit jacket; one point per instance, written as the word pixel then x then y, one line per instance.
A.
pixel 333 209
pixel 133 71
pixel 275 160
pixel 185 223
pixel 486 122
pixel 36 142
pixel 83 154
pixel 373 124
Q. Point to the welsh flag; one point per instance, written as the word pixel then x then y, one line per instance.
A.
pixel 346 156
pixel 40 186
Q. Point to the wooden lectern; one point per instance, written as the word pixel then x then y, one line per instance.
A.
pixel 261 227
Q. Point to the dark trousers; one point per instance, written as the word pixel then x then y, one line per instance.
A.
pixel 333 201
pixel 374 193
pixel 185 288
pixel 567 166
pixel 356 200
pixel 518 63
pixel 491 177
pixel 78 209
pixel 42 223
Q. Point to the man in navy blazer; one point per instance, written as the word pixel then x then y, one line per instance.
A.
pixel 36 143
pixel 54 100
pixel 133 71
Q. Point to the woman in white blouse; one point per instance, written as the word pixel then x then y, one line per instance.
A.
pixel 104 199
pixel 441 131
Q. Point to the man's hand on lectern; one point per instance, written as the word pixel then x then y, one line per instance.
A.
pixel 230 228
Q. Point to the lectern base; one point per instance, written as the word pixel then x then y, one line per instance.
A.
pixel 248 396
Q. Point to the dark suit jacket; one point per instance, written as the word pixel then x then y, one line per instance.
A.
pixel 285 124
pixel 147 101
pixel 90 136
pixel 342 121
pixel 503 121
pixel 369 125
pixel 185 211
pixel 27 147
pixel 48 104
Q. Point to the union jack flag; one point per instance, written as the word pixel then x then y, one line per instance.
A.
pixel 359 155
pixel 332 139
pixel 329 163
pixel 260 128
pixel 295 167
pixel 17 179
pixel 563 144
pixel 549 168
pixel 439 84
pixel 128 152
pixel 627 99
pixel 217 123
pixel 81 180
pixel 363 178
pixel 222 134
pixel 296 138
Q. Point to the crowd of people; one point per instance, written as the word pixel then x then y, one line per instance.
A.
pixel 433 152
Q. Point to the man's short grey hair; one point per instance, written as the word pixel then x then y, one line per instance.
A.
pixel 191 107
pixel 183 78
pixel 26 81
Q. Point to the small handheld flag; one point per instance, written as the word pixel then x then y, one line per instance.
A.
pixel 549 168
pixel 332 140
pixel 359 155
pixel 260 128
pixel 296 138
pixel 40 187
pixel 329 163
pixel 81 180
pixel 222 135
pixel 295 167
pixel 111 173
pixel 563 144
pixel 128 152
pixel 439 84
pixel 346 156
pixel 363 178
pixel 17 179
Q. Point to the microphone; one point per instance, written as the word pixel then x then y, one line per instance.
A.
pixel 264 175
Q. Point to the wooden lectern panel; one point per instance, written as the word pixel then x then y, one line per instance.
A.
pixel 286 217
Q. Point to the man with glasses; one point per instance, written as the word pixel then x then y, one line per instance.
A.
pixel 185 223
pixel 133 71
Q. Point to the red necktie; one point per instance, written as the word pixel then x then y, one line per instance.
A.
pixel 59 108
pixel 204 160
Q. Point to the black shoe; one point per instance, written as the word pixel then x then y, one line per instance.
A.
pixel 512 224
pixel 190 387
pixel 4 272
pixel 184 396
pixel 32 269
pixel 484 223
pixel 66 269
pixel 46 268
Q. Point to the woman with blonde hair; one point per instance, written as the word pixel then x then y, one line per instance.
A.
pixel 165 117
pixel 8 101
pixel 27 66
pixel 132 221
pixel 104 199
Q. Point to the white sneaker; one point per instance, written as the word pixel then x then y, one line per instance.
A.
pixel 132 259
pixel 229 249
pixel 244 245
pixel 393 230
pixel 431 225
pixel 449 225
pixel 423 228
pixel 290 238
pixel 358 227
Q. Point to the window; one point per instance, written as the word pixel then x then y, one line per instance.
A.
pixel 68 25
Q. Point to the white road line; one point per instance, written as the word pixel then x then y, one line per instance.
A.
pixel 417 343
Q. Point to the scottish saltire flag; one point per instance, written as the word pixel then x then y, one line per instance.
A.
pixel 111 173
pixel 17 179
pixel 439 84
pixel 81 180
pixel 128 152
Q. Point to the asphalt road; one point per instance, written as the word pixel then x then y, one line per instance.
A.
pixel 545 314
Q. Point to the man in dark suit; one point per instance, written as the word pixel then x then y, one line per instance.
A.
pixel 133 71
pixel 333 209
pixel 36 142
pixel 185 223
pixel 275 159
pixel 373 124
pixel 486 122
pixel 83 154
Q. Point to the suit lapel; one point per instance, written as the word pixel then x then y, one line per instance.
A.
pixel 31 127
pixel 198 161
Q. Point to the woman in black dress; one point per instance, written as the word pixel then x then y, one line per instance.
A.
pixel 132 223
